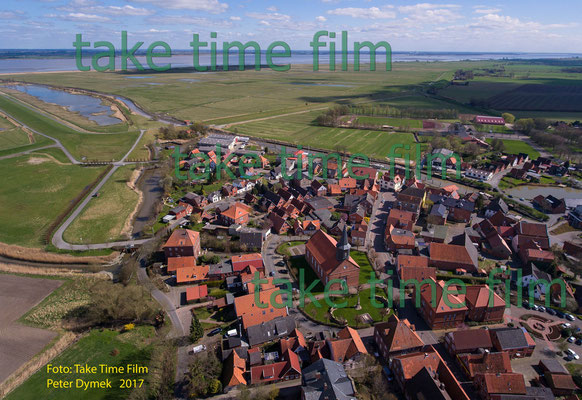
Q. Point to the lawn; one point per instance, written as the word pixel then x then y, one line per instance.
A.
pixel 300 263
pixel 107 347
pixel 35 190
pixel 366 269
pixel 284 247
pixel 349 312
pixel 92 146
pixel 518 146
pixel 105 218
pixel 564 228
pixel 300 129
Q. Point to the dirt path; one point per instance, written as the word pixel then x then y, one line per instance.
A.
pixel 132 184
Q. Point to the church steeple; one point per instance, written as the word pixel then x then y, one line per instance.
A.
pixel 343 247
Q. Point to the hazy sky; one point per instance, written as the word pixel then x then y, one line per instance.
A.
pixel 518 25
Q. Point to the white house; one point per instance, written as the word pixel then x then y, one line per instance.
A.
pixel 478 174
pixel 530 276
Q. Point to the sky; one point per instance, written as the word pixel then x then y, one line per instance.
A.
pixel 473 26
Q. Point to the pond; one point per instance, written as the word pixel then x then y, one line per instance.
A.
pixel 88 106
pixel 529 192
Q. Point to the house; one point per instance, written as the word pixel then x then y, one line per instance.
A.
pixel 215 196
pixel 392 184
pixel 398 239
pixel 197 201
pixel 233 372
pixel 280 225
pixel 295 341
pixel 499 384
pixel 220 271
pixel 196 293
pixel 287 369
pixel 318 188
pixel 269 331
pixel 486 120
pixel 346 184
pixel 484 304
pixel 250 313
pixel 450 257
pixel 442 159
pixel 347 348
pixel 468 341
pixel 516 341
pixel 334 189
pixel 557 377
pixel 396 337
pixel 479 174
pixel 326 380
pixel 240 262
pixel 330 259
pixel 575 217
pixel 438 215
pixel 495 206
pixel 197 273
pixel 318 203
pixel 485 362
pixel 550 204
pixel 531 278
pixel 253 238
pixel 460 210
pixel 306 227
pixel 175 263
pixel 358 234
pixel 441 314
pixel 237 213
pixel 410 199
pixel 529 235
pixel 424 375
pixel 401 219
pixel 413 268
pixel 181 211
pixel 182 242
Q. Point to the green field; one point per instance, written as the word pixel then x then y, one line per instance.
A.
pixel 301 129
pixel 366 269
pixel 34 191
pixel 518 146
pixel 99 347
pixel 92 146
pixel 403 123
pixel 104 218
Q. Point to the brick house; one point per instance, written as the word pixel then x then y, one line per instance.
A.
pixel 441 315
pixel 414 267
pixel 242 261
pixel 516 341
pixel 451 257
pixel 237 213
pixel 181 243
pixel 484 304
pixel 395 337
pixel 468 341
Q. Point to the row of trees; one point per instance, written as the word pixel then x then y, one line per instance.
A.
pixel 170 132
pixel 408 112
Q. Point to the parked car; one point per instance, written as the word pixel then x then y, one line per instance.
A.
pixel 526 304
pixel 551 311
pixel 579 342
pixel 566 325
pixel 572 354
pixel 571 339
pixel 569 317
pixel 283 271
pixel 197 349
pixel 214 331
pixel 535 307
pixel 542 308
pixel 280 263
pixel 560 314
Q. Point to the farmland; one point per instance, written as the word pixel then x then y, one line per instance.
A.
pixel 403 123
pixel 17 295
pixel 105 219
pixel 301 129
pixel 539 98
pixel 107 347
pixel 35 190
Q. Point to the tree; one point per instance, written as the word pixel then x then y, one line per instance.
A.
pixel 524 125
pixel 202 377
pixel 509 118
pixel 196 330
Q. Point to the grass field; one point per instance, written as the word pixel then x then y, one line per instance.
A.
pixel 91 146
pixel 107 347
pixel 365 268
pixel 518 146
pixel 403 123
pixel 301 129
pixel 34 191
pixel 104 219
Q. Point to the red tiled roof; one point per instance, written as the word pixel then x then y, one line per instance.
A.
pixel 347 183
pixel 276 371
pixel 192 274
pixel 470 339
pixel 183 238
pixel 241 261
pixel 486 363
pixel 411 261
pixel 478 296
pixel 508 383
pixel 175 263
pixel 236 211
pixel 398 335
pixel 251 314
pixel 196 292
pixel 560 381
pixel 323 248
pixel 234 368
pixel 441 306
pixel 449 253
pixel 532 229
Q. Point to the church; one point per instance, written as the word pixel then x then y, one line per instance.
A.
pixel 330 260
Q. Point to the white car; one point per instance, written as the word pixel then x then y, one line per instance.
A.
pixel 535 307
pixel 572 354
pixel 566 325
pixel 542 308
pixel 571 339
pixel 569 317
